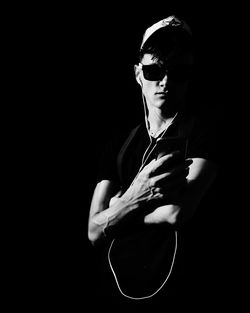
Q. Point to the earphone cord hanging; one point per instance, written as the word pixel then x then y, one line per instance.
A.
pixel 175 232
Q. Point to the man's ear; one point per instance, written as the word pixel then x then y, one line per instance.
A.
pixel 137 70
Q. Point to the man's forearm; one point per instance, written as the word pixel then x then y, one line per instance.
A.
pixel 109 217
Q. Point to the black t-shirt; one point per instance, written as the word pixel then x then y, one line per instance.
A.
pixel 120 162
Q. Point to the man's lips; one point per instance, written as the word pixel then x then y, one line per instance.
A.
pixel 161 93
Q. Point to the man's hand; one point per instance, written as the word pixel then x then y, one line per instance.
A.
pixel 162 178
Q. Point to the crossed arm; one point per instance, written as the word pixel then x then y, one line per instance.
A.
pixel 179 190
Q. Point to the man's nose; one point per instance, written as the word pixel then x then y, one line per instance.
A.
pixel 164 80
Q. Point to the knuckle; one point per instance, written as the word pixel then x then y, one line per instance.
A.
pixel 158 190
pixel 152 182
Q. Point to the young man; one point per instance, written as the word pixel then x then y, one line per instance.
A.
pixel 149 189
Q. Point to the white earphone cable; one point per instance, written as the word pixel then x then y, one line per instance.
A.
pixel 144 160
pixel 161 286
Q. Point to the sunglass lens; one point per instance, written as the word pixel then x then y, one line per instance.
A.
pixel 153 72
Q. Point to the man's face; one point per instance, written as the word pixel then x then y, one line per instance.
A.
pixel 164 81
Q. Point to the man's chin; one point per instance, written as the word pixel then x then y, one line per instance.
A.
pixel 161 103
pixel 167 106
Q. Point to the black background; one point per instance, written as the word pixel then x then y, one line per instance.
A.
pixel 76 85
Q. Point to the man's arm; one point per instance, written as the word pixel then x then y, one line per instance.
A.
pixel 202 174
pixel 105 213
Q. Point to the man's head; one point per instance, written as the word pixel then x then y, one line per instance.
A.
pixel 165 62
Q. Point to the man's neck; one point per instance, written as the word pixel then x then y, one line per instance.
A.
pixel 157 120
pixel 158 123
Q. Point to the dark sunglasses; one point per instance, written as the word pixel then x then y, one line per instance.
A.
pixel 155 72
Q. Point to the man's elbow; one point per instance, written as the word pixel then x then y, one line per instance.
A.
pixel 94 236
pixel 164 214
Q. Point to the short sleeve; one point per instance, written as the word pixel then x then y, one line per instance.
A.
pixel 203 142
pixel 107 163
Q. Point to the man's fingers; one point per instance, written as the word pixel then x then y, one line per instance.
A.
pixel 154 180
pixel 163 161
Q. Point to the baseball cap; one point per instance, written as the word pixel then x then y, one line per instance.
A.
pixel 171 22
